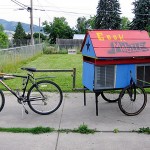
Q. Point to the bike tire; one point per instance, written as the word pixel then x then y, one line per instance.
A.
pixel 50 102
pixel 110 97
pixel 129 105
pixel 2 100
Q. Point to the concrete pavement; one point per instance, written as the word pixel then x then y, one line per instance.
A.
pixel 70 115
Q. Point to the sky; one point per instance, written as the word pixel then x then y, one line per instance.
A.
pixel 70 9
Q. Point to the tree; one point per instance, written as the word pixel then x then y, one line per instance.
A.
pixel 91 22
pixel 108 15
pixel 125 23
pixel 42 36
pixel 148 29
pixel 1 28
pixel 141 20
pixel 83 24
pixel 3 38
pixel 59 28
pixel 20 35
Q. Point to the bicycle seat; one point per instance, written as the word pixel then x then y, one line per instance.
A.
pixel 29 69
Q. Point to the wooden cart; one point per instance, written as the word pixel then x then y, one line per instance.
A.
pixel 117 60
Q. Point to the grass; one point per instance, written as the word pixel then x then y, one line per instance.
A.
pixel 36 130
pixel 13 66
pixel 53 61
pixel 83 129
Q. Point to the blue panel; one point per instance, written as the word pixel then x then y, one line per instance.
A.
pixel 88 49
pixel 88 75
pixel 123 75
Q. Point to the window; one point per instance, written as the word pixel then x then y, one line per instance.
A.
pixel 143 75
pixel 104 77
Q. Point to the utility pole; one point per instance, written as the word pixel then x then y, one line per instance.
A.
pixel 30 9
pixel 31 24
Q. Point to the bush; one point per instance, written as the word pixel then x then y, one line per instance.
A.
pixel 53 50
pixel 49 50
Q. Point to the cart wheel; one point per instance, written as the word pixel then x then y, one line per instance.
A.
pixel 110 96
pixel 132 100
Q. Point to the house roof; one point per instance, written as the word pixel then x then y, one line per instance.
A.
pixel 79 36
pixel 116 43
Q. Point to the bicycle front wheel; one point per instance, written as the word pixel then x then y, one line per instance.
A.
pixel 44 97
pixel 132 100
pixel 2 100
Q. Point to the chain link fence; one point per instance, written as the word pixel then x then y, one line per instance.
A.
pixel 18 54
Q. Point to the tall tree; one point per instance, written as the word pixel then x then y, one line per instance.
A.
pixel 108 15
pixel 141 20
pixel 59 28
pixel 19 35
pixel 3 38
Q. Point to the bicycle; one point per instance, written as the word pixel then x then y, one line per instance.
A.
pixel 43 97
pixel 132 99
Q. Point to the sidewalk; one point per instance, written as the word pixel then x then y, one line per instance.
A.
pixel 70 115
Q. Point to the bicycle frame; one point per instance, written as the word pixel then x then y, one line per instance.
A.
pixel 28 78
pixel 36 97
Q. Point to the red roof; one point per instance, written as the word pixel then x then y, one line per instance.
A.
pixel 119 43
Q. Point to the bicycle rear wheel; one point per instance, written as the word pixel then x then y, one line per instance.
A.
pixel 132 100
pixel 2 100
pixel 44 97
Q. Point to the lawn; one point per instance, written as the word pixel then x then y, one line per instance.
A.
pixel 53 61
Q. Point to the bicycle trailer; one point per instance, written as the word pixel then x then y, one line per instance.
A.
pixel 111 57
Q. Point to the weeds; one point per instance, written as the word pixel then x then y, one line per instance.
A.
pixel 116 130
pixel 144 130
pixel 83 129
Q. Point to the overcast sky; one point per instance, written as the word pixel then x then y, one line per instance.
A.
pixel 70 9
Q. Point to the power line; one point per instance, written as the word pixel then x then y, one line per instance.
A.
pixel 20 4
pixel 42 7
pixel 53 10
pixel 69 12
